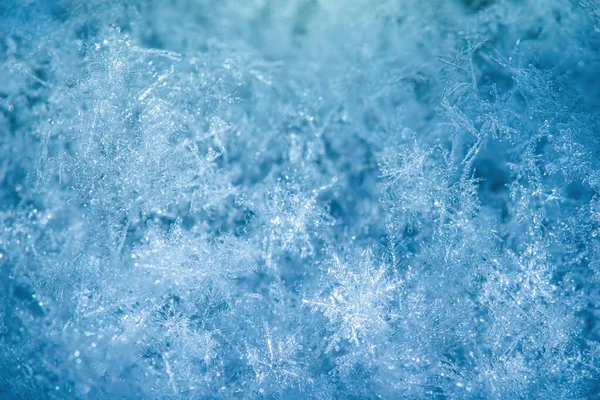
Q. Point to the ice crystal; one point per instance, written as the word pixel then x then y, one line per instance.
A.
pixel 302 199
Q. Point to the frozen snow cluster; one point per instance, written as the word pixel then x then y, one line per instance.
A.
pixel 300 199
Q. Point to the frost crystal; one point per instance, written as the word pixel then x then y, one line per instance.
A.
pixel 299 199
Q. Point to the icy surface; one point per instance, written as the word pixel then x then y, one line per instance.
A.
pixel 300 199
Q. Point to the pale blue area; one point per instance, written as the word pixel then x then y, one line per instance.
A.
pixel 299 199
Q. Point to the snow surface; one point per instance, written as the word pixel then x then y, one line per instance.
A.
pixel 300 199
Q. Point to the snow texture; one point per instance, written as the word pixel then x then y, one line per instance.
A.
pixel 300 199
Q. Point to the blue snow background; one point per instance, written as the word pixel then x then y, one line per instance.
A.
pixel 300 199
